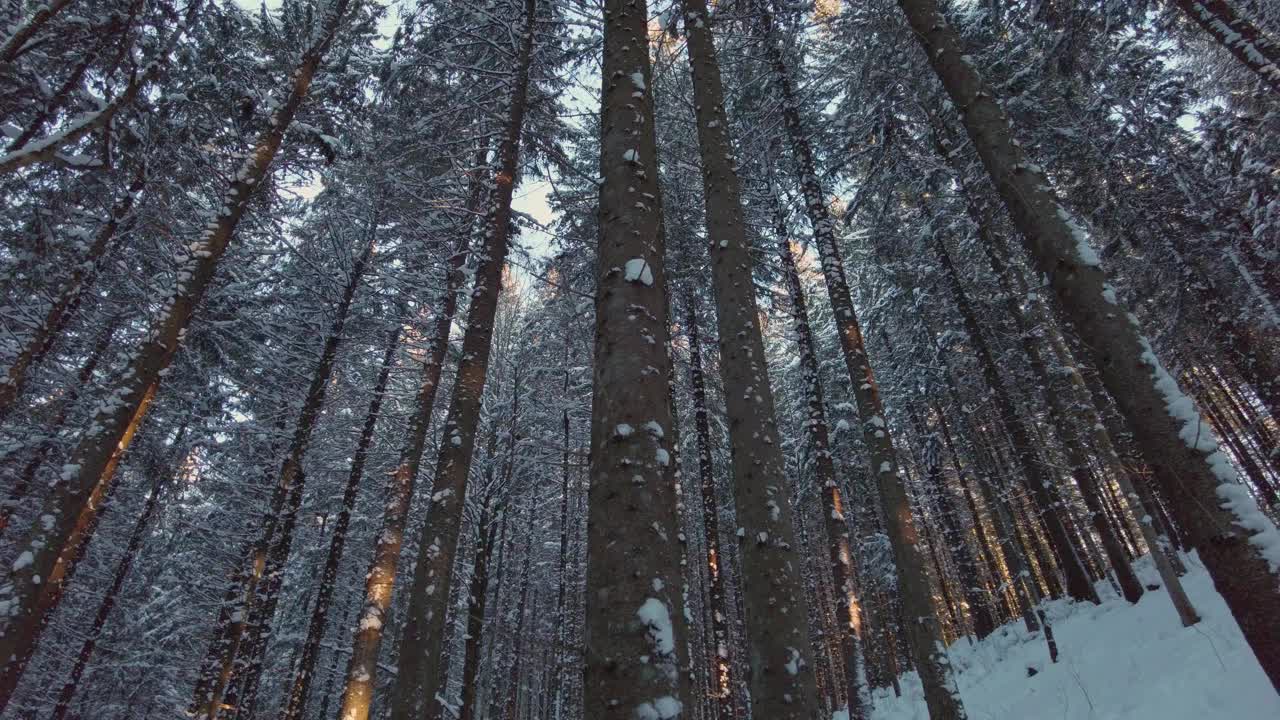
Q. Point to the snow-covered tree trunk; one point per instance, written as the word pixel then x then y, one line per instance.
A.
pixel 380 580
pixel 842 556
pixel 781 680
pixel 635 621
pixel 1237 543
pixel 299 689
pixel 921 626
pixel 38 578
pixel 68 300
pixel 1239 35
pixel 422 657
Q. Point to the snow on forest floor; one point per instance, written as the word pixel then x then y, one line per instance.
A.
pixel 1115 661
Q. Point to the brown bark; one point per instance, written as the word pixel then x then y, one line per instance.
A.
pixel 717 601
pixel 1244 40
pixel 843 559
pixel 13 45
pixel 781 681
pixel 74 501
pixel 1217 516
pixel 299 689
pixel 634 606
pixel 160 476
pixel 84 380
pixel 422 655
pixel 922 628
pixel 380 580
pixel 69 298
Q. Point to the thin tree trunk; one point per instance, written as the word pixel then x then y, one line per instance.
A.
pixel 633 603
pixel 717 600
pixel 69 298
pixel 842 557
pixel 781 679
pixel 272 551
pixel 1079 586
pixel 380 580
pixel 36 583
pixel 922 628
pixel 1248 43
pixel 299 689
pixel 84 380
pixel 1217 514
pixel 161 475
pixel 422 657
pixel 488 527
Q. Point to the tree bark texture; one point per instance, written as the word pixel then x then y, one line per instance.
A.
pixel 1218 516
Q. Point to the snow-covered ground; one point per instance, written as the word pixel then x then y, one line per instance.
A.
pixel 1116 661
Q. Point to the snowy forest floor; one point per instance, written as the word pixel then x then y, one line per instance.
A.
pixel 1115 661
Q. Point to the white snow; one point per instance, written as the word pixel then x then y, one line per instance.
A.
pixel 26 559
pixel 1117 662
pixel 631 156
pixel 637 270
pixel 653 613
pixel 637 79
pixel 623 430
pixel 663 708
pixel 1199 436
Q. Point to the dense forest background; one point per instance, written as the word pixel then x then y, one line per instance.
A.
pixel 478 359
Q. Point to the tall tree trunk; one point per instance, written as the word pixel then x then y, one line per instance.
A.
pixel 562 565
pixel 781 679
pixel 69 298
pixel 1238 35
pixel 922 628
pixel 476 601
pixel 422 645
pixel 633 602
pixel 717 599
pixel 161 474
pixel 380 579
pixel 1219 517
pixel 84 379
pixel 518 631
pixel 299 689
pixel 272 551
pixel 1079 586
pixel 842 556
pixel 36 583
pixel 979 608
